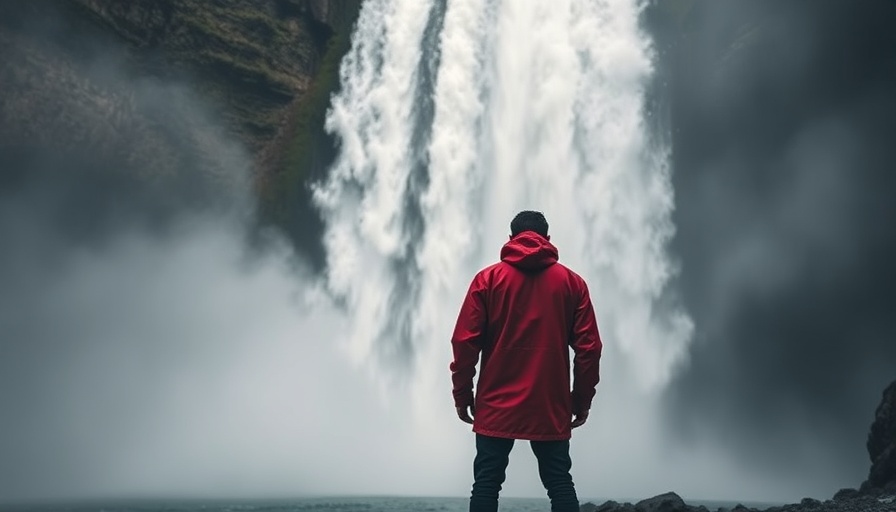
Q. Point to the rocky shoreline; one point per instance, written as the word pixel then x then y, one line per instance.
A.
pixel 847 500
pixel 876 494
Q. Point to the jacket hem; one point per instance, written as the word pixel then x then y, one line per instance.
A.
pixel 523 435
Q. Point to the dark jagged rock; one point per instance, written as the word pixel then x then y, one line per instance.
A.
pixel 668 502
pixel 845 494
pixel 607 506
pixel 882 443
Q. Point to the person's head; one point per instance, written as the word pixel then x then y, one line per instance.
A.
pixel 528 220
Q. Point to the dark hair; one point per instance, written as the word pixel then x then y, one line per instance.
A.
pixel 529 220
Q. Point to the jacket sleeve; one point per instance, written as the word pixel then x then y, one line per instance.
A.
pixel 466 342
pixel 587 346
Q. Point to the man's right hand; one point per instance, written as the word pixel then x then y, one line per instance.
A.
pixel 464 415
pixel 579 419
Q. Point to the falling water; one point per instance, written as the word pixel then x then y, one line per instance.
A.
pixel 452 118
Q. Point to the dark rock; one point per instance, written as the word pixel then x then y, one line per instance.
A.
pixel 882 442
pixel 668 502
pixel 845 494
pixel 809 502
pixel 608 506
pixel 320 9
pixel 612 506
pixel 328 11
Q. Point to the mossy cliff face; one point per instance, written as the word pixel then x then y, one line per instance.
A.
pixel 75 76
pixel 253 58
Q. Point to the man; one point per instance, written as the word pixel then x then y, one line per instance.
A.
pixel 523 314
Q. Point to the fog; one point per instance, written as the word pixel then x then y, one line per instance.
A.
pixel 157 348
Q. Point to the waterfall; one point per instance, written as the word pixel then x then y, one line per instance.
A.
pixel 453 117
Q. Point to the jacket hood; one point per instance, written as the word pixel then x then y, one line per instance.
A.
pixel 529 251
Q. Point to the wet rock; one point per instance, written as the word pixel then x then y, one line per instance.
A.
pixel 845 494
pixel 882 443
pixel 668 502
pixel 608 506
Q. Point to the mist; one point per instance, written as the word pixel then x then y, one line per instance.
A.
pixel 156 340
pixel 157 343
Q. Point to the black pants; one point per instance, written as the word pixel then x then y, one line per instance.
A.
pixel 490 466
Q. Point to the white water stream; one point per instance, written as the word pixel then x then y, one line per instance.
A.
pixel 453 119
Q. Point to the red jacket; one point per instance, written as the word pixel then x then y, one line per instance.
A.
pixel 523 314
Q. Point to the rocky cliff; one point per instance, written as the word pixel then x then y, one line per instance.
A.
pixel 154 89
pixel 882 444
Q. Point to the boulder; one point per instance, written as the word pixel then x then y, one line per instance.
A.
pixel 668 502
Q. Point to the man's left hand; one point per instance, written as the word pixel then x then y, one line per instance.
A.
pixel 464 415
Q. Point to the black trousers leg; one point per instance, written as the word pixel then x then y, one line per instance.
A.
pixel 554 464
pixel 489 472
